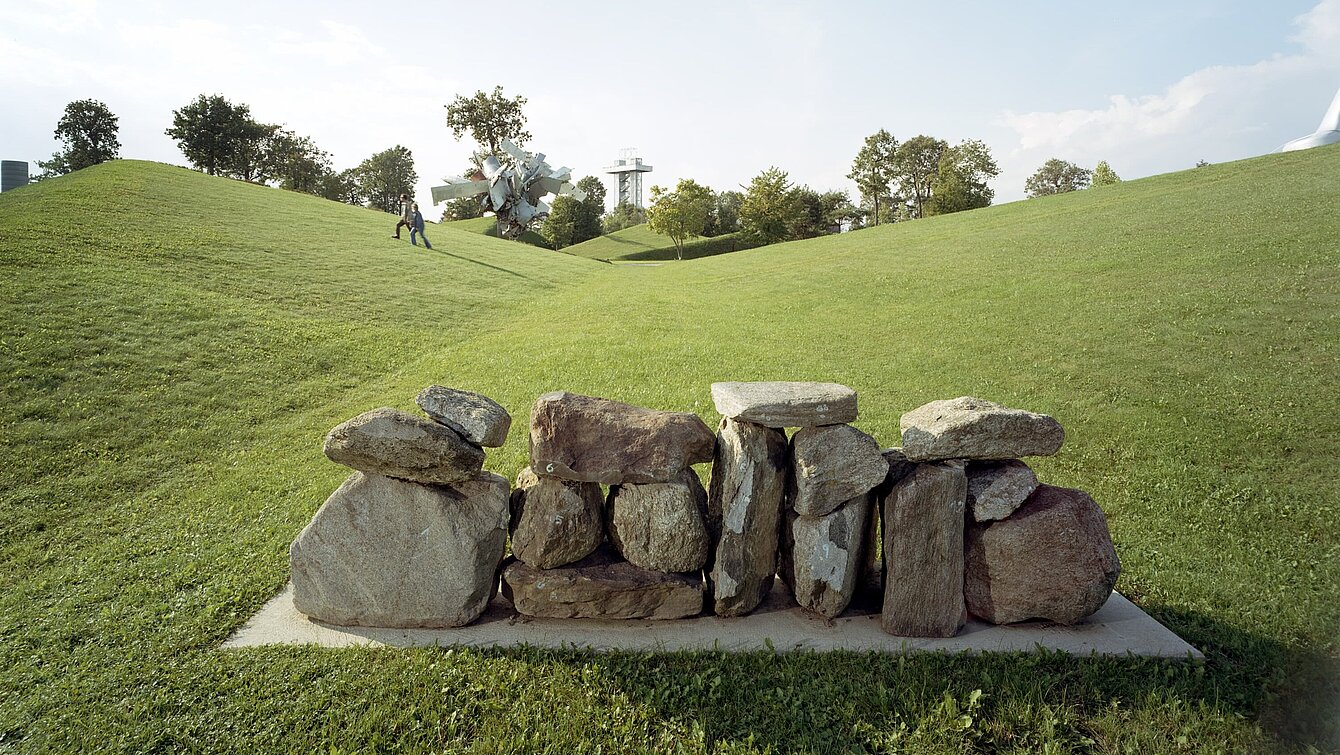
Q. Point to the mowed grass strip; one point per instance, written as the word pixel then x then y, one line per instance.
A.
pixel 172 361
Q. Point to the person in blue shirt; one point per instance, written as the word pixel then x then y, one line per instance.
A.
pixel 416 227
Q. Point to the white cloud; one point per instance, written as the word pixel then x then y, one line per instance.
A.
pixel 51 16
pixel 1219 112
pixel 342 44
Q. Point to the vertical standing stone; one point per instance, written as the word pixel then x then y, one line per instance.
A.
pixel 822 556
pixel 745 508
pixel 923 552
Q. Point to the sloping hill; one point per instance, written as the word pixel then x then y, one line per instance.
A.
pixel 640 243
pixel 175 346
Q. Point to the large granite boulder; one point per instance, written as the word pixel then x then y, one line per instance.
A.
pixel 971 428
pixel 398 444
pixel 1051 559
pixel 479 419
pixel 744 510
pixel 555 522
pixel 661 525
pixel 822 557
pixel 382 552
pixel 997 488
pixel 597 440
pixel 830 465
pixel 923 552
pixel 601 587
pixel 782 404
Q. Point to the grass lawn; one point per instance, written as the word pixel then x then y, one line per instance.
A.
pixel 639 243
pixel 174 347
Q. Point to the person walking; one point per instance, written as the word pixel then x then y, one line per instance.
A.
pixel 416 227
pixel 406 215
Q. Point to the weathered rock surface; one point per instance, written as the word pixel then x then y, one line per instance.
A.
pixel 997 488
pixel 870 589
pixel 388 553
pixel 1051 559
pixel 555 522
pixel 783 404
pixel 744 510
pixel 397 444
pixel 923 552
pixel 823 556
pixel 479 419
pixel 597 440
pixel 661 525
pixel 971 428
pixel 601 587
pixel 832 464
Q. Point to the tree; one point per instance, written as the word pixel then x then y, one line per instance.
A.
pixel 488 118
pixel 873 169
pixel 1103 175
pixel 560 226
pixel 342 187
pixel 386 175
pixel 587 225
pixel 725 216
pixel 916 164
pixel 295 162
pixel 623 216
pixel 819 215
pixel 770 209
pixel 1056 177
pixel 211 131
pixel 89 132
pixel 463 208
pixel 252 160
pixel 961 179
pixel 680 214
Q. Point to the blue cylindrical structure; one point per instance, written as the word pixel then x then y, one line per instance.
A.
pixel 13 174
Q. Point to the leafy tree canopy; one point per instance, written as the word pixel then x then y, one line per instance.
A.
pixel 488 119
pixel 623 216
pixel 874 169
pixel 770 209
pixel 88 131
pixel 1056 177
pixel 961 179
pixel 680 214
pixel 383 177
pixel 1103 175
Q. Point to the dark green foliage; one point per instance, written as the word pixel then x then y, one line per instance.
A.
pixel 559 228
pixel 873 170
pixel 1056 177
pixel 725 217
pixel 623 216
pixel 88 131
pixel 342 187
pixel 1103 175
pixel 213 134
pixel 296 163
pixel 771 208
pixel 961 179
pixel 386 175
pixel 463 208
pixel 488 119
pixel 916 166
pixel 587 224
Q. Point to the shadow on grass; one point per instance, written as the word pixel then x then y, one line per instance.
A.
pixel 845 701
pixel 436 250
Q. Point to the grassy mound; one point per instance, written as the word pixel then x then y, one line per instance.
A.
pixel 175 346
pixel 640 243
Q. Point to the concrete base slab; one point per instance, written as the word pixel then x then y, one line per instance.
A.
pixel 1119 628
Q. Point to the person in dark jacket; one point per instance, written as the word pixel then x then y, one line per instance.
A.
pixel 416 227
pixel 406 215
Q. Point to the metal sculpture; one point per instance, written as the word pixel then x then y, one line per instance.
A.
pixel 1327 133
pixel 512 191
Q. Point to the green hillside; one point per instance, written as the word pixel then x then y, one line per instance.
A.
pixel 175 346
pixel 640 243
pixel 488 226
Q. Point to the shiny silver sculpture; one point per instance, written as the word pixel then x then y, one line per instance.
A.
pixel 1327 133
pixel 512 191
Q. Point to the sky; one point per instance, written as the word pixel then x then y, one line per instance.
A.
pixel 714 91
